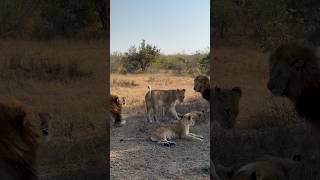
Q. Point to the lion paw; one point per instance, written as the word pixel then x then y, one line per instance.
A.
pixel 168 143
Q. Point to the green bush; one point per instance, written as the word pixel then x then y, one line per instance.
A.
pixel 49 18
pixel 140 59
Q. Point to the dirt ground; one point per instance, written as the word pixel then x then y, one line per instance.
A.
pixel 66 79
pixel 143 159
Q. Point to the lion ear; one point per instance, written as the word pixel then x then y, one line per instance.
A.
pixel 116 99
pixel 237 89
pixel 183 90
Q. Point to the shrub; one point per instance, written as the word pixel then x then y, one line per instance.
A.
pixel 139 60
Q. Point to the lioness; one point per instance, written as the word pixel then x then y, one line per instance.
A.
pixel 163 100
pixel 265 168
pixel 116 104
pixel 225 106
pixel 180 129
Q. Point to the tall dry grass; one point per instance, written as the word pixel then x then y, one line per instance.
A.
pixel 135 86
pixel 68 80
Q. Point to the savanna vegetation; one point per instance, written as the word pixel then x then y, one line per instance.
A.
pixel 148 58
pixel 265 23
pixel 53 58
pixel 48 19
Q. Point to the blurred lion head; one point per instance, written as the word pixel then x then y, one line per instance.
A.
pixel 19 140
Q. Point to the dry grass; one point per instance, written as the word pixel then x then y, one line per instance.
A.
pixel 135 86
pixel 147 160
pixel 266 124
pixel 66 79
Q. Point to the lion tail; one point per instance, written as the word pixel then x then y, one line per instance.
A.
pixel 149 89
pixel 133 139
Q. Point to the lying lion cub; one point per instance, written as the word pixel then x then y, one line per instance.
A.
pixel 180 130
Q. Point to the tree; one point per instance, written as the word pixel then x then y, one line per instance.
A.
pixel 226 14
pixel 66 18
pixel 205 64
pixel 141 58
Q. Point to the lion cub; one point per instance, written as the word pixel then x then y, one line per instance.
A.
pixel 180 130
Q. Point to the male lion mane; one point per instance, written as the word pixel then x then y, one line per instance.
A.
pixel 304 86
pixel 19 140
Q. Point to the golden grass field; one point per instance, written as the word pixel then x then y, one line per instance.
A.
pixel 143 159
pixel 68 80
pixel 135 86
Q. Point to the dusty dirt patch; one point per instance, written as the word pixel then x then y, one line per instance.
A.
pixel 143 159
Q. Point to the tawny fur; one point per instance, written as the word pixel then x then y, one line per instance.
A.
pixel 19 141
pixel 268 168
pixel 265 168
pixel 295 73
pixel 161 101
pixel 225 106
pixel 116 109
pixel 178 130
pixel 224 109
pixel 202 85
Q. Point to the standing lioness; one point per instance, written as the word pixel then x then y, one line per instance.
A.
pixel 163 100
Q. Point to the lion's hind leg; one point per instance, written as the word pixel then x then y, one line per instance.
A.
pixel 190 137
pixel 195 135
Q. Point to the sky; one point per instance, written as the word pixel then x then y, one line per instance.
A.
pixel 174 26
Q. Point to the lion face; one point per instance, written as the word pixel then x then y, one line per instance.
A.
pixel 279 73
pixel 226 106
pixel 189 120
pixel 200 83
pixel 120 101
pixel 124 100
pixel 16 124
pixel 180 94
pixel 193 116
pixel 290 66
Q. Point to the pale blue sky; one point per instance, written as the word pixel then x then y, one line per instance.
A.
pixel 175 26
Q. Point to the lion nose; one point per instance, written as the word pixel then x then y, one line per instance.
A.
pixel 45 132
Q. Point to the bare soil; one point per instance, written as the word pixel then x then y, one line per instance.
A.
pixel 143 159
